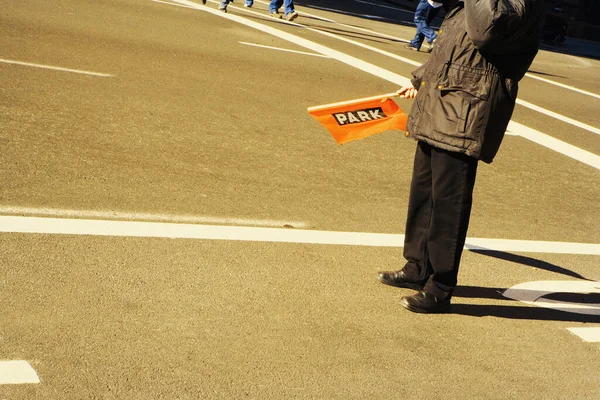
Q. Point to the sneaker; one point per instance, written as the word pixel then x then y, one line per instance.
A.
pixel 247 5
pixel 291 16
pixel 275 14
pixel 223 9
pixel 411 47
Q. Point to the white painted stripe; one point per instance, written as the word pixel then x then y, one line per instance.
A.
pixel 76 71
pixel 538 137
pixel 117 215
pixel 533 293
pixel 559 116
pixel 15 372
pixel 286 50
pixel 189 231
pixel 587 334
pixel 539 78
pixel 532 246
pixel 18 224
pixel 555 144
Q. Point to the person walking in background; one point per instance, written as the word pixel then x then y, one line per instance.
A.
pixel 288 9
pixel 425 13
pixel 465 94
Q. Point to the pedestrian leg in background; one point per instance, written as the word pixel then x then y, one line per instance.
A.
pixel 249 3
pixel 288 9
pixel 425 13
pixel 223 5
pixel 274 8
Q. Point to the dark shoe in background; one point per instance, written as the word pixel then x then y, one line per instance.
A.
pixel 398 279
pixel 426 303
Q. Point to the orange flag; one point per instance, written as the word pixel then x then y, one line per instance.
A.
pixel 356 119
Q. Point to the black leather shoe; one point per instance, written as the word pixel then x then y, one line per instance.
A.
pixel 398 279
pixel 424 302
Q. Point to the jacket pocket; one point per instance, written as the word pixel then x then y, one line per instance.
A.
pixel 463 97
pixel 474 81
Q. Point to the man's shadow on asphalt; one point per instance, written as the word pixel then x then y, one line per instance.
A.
pixel 516 310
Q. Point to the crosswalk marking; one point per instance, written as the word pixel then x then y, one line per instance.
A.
pixel 14 372
pixel 587 334
pixel 18 224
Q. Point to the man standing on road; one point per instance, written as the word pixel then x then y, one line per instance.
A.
pixel 465 95
pixel 425 13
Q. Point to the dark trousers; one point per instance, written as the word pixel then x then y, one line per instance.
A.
pixel 439 207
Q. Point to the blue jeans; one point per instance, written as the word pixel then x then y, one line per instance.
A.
pixel 288 6
pixel 424 14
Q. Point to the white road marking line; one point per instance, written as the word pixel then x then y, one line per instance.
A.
pixel 280 49
pixel 533 293
pixel 116 215
pixel 559 117
pixel 18 224
pixel 532 246
pixel 587 334
pixel 540 138
pixel 14 372
pixel 76 71
pixel 562 85
pixel 555 144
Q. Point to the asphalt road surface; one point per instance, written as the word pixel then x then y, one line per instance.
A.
pixel 174 225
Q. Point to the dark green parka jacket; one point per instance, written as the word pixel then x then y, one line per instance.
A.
pixel 468 87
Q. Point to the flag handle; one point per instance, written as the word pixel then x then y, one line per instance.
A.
pixel 343 103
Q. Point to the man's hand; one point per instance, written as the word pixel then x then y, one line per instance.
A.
pixel 407 93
